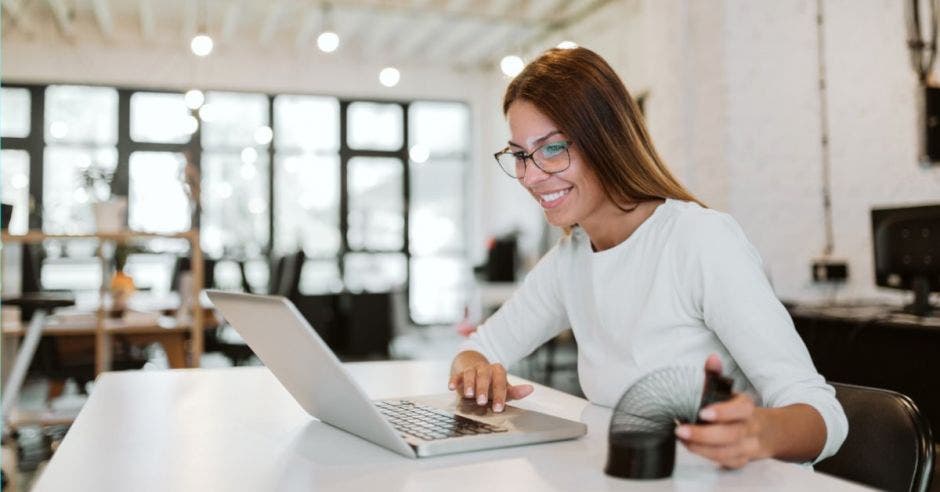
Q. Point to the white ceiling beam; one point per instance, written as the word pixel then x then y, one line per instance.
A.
pixel 308 26
pixel 394 28
pixel 458 39
pixel 230 21
pixel 420 33
pixel 271 23
pixel 145 14
pixel 62 18
pixel 384 34
pixel 546 11
pixel 14 10
pixel 102 11
pixel 506 39
pixel 435 33
pixel 504 8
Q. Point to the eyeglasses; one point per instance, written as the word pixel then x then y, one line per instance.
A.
pixel 551 158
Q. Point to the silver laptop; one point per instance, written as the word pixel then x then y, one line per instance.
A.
pixel 412 426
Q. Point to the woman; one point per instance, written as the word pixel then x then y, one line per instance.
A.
pixel 645 276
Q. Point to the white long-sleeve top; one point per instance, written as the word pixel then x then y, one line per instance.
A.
pixel 687 283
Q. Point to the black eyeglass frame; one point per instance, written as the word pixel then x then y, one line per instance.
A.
pixel 531 156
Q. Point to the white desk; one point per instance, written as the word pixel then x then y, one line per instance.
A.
pixel 238 429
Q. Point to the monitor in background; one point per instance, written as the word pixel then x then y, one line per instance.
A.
pixel 907 252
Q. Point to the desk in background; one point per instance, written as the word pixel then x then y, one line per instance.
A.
pixel 238 429
pixel 870 345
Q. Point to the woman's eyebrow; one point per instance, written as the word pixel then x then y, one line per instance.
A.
pixel 538 140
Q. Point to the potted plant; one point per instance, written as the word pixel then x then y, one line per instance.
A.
pixel 122 285
pixel 110 212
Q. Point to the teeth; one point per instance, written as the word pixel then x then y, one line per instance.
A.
pixel 554 196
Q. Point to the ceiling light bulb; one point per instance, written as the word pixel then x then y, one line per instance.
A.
pixel 194 99
pixel 263 135
pixel 207 112
pixel 419 153
pixel 328 41
pixel 567 45
pixel 389 76
pixel 511 65
pixel 201 45
pixel 192 124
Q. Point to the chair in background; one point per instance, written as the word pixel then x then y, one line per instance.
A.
pixel 369 324
pixel 283 281
pixel 889 445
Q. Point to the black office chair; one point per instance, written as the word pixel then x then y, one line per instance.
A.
pixel 889 446
pixel 284 281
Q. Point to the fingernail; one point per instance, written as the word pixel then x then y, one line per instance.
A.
pixel 707 414
pixel 468 392
pixel 451 386
pixel 497 407
pixel 481 400
pixel 683 432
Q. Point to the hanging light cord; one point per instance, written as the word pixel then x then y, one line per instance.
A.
pixel 923 53
pixel 824 131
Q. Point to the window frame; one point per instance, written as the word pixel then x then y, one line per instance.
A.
pixel 34 144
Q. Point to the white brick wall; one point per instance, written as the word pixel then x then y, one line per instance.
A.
pixel 734 109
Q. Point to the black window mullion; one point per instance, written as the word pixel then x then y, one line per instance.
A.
pixel 272 169
pixel 344 156
pixel 193 152
pixel 36 148
pixel 120 183
pixel 406 190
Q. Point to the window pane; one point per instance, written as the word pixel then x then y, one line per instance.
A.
pixel 320 277
pixel 158 202
pixel 376 204
pixel 307 204
pixel 234 205
pixel 161 117
pixel 436 214
pixel 438 289
pixel 307 123
pixel 234 120
pixel 375 272
pixel 14 165
pixel 79 114
pixel 442 128
pixel 66 199
pixel 374 126
pixel 14 112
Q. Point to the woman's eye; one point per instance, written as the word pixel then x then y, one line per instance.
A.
pixel 553 149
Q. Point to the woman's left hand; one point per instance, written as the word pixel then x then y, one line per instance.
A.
pixel 732 437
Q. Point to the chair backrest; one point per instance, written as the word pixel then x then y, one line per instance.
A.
pixel 285 274
pixel 889 445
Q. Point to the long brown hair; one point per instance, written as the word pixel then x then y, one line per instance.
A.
pixel 582 94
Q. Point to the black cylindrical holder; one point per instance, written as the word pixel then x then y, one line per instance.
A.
pixel 641 455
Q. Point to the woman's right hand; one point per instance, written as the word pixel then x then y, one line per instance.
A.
pixel 472 376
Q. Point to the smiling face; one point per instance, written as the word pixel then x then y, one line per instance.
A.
pixel 569 197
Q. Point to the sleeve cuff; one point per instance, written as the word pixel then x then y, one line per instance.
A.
pixel 472 343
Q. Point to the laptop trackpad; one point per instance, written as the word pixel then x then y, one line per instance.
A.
pixel 511 418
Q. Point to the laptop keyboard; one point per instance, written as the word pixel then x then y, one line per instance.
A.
pixel 428 423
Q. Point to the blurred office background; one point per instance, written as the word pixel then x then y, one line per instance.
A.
pixel 340 153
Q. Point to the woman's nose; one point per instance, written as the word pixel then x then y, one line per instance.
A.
pixel 533 174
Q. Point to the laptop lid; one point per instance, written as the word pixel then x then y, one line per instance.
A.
pixel 291 349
